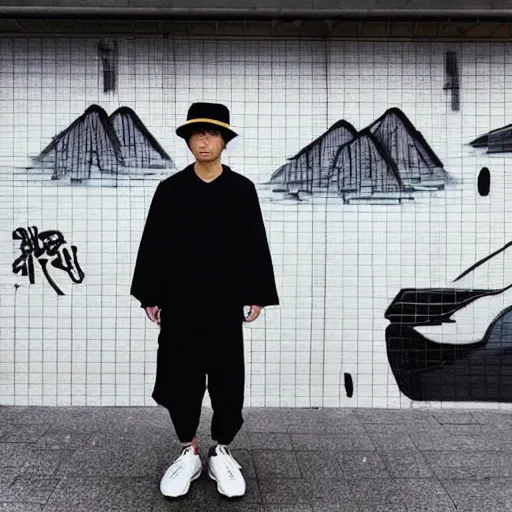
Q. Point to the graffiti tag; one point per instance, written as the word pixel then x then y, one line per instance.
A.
pixel 47 246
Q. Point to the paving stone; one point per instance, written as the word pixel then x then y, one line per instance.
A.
pixel 289 491
pixel 15 455
pixel 29 489
pixel 474 465
pixel 127 461
pixel 52 414
pixel 428 425
pixel 245 459
pixel 332 442
pixel 276 464
pixel 361 464
pixel 264 421
pixel 46 463
pixel 341 421
pixel 319 465
pixel 205 421
pixel 8 476
pixel 289 508
pixel 390 415
pixel 406 491
pixel 332 490
pixel 184 505
pixel 203 495
pixel 147 435
pixel 429 442
pixel 406 464
pixel 62 438
pixel 473 429
pixel 20 507
pixel 491 416
pixel 98 494
pixel 242 441
pixel 23 433
pixel 383 508
pixel 303 420
pixel 346 460
pixel 181 504
pixel 161 417
pixel 454 417
pixel 261 441
pixel 92 418
pixel 481 495
pixel 10 413
pixel 335 507
pixel 431 508
pixel 385 441
pixel 243 506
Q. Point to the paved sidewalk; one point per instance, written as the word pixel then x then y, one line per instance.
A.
pixel 106 459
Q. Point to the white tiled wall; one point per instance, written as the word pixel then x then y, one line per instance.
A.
pixel 338 266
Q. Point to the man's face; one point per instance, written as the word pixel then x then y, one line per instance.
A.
pixel 206 144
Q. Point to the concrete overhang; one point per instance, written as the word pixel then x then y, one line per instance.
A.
pixel 262 9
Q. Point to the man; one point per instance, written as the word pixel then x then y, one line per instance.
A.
pixel 203 257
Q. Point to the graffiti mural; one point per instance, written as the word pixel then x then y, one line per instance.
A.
pixel 46 247
pixel 452 83
pixel 139 148
pixel 387 161
pixel 99 146
pixel 369 187
pixel 454 343
pixel 495 141
pixel 108 51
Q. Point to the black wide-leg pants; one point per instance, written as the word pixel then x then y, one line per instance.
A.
pixel 190 351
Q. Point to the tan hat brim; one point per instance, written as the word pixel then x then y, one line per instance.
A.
pixel 184 129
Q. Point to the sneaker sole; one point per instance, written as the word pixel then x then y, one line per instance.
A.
pixel 195 476
pixel 212 476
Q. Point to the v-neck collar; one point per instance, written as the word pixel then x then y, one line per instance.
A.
pixel 197 178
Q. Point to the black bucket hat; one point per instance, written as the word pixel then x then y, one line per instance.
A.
pixel 214 115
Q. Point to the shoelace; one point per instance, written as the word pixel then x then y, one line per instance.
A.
pixel 230 459
pixel 177 464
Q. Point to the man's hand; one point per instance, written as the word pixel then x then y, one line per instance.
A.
pixel 254 313
pixel 153 313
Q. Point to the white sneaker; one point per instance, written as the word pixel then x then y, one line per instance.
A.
pixel 225 470
pixel 185 469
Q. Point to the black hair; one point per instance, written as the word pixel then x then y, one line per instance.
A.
pixel 204 127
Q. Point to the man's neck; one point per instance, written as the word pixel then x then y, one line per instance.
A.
pixel 208 171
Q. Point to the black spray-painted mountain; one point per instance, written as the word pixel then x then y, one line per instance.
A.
pixel 96 143
pixel 386 160
pixel 496 141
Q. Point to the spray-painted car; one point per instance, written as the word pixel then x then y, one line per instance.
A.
pixel 454 343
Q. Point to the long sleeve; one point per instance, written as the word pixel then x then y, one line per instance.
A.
pixel 259 283
pixel 147 279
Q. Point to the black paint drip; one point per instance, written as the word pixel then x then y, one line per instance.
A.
pixel 484 181
pixel 349 385
pixel 452 79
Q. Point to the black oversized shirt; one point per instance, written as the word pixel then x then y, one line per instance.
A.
pixel 204 247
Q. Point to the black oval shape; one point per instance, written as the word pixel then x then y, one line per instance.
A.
pixel 484 182
pixel 349 385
